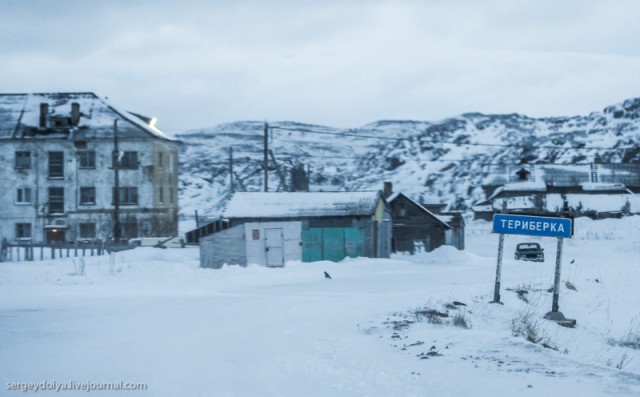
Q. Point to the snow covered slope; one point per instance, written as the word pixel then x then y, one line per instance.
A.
pixel 444 159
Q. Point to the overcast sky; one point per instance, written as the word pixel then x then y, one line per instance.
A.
pixel 341 63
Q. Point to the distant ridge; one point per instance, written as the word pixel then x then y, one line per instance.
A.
pixel 444 158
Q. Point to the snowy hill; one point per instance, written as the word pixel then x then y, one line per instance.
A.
pixel 445 159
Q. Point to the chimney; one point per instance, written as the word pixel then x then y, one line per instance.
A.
pixel 44 113
pixel 75 113
pixel 388 189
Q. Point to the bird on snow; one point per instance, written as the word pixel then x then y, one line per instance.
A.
pixel 572 260
pixel 326 275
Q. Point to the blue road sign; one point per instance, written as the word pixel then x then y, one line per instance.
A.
pixel 532 225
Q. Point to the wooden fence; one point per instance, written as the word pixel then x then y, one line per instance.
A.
pixel 10 252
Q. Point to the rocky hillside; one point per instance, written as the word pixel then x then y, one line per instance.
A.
pixel 443 160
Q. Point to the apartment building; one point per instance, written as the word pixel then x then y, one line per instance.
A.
pixel 63 155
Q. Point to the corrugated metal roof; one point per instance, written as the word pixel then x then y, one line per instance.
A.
pixel 20 118
pixel 301 204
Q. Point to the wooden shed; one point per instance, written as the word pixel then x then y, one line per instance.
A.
pixel 415 228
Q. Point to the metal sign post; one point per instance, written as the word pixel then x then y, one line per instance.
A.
pixel 535 226
pixel 556 282
pixel 496 289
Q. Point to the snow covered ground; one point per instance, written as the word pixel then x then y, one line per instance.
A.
pixel 375 329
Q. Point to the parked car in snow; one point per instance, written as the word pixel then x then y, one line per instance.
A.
pixel 529 252
pixel 158 242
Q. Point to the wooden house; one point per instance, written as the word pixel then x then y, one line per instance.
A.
pixel 415 228
pixel 595 200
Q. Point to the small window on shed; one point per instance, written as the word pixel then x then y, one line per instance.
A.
pixel 403 210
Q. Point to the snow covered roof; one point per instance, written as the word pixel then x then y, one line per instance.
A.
pixel 421 207
pixel 603 187
pixel 301 204
pixel 20 118
pixel 525 187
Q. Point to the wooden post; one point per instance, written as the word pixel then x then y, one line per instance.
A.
pixel 556 282
pixel 496 290
pixel 53 252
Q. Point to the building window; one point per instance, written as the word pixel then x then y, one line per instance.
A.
pixel 403 210
pixel 23 231
pixel 128 161
pixel 171 195
pixel 87 230
pixel 56 164
pixel 127 196
pixel 129 228
pixel 23 195
pixel 56 200
pixel 87 195
pixel 161 160
pixel 23 160
pixel 87 159
pixel 161 195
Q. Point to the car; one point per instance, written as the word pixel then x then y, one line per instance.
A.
pixel 529 252
pixel 158 242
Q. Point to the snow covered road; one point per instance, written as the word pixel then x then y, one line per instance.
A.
pixel 160 320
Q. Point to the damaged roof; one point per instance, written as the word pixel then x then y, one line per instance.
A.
pixel 20 118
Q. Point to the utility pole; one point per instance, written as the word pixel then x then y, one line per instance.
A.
pixel 116 184
pixel 283 181
pixel 265 163
pixel 231 170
